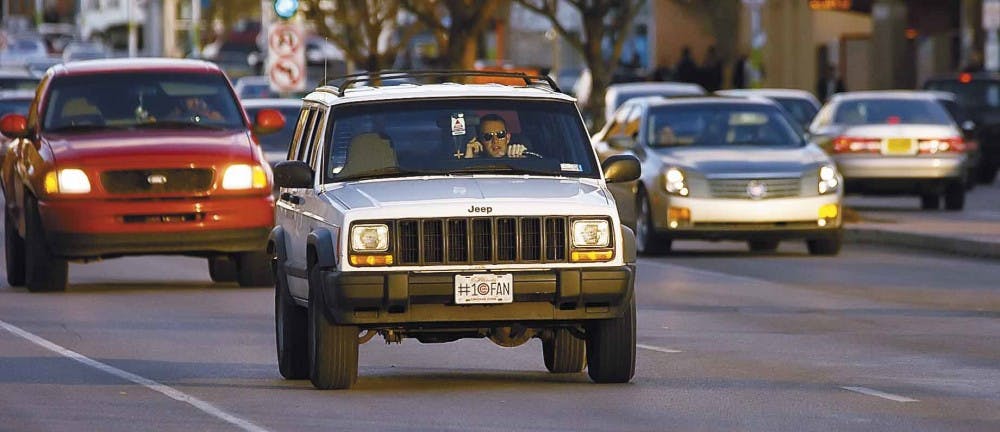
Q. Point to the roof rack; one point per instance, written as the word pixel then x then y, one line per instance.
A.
pixel 347 81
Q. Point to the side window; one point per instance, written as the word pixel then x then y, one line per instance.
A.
pixel 296 143
pixel 305 143
pixel 632 121
pixel 620 121
pixel 315 160
pixel 823 116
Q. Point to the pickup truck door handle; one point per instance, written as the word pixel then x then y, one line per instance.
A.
pixel 294 199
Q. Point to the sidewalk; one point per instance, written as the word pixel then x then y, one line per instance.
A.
pixel 899 221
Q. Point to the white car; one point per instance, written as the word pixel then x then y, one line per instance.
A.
pixel 446 211
pixel 617 94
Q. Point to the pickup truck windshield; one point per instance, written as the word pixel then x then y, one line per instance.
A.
pixel 457 137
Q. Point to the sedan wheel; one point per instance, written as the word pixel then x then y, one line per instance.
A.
pixel 43 271
pixel 14 248
pixel 646 240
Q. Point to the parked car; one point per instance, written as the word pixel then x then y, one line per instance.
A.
pixel 979 95
pixel 895 143
pixel 20 49
pixel 384 225
pixel 136 156
pixel 970 134
pixel 617 94
pixel 717 168
pixel 275 145
pixel 81 50
pixel 253 86
pixel 800 104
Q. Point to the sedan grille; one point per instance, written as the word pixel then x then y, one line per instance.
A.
pixel 755 188
pixel 157 181
pixel 481 240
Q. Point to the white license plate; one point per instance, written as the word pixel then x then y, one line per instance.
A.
pixel 484 288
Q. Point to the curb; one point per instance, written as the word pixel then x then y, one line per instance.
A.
pixel 929 242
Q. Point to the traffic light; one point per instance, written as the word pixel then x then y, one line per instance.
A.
pixel 285 9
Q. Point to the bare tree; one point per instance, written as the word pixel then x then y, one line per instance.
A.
pixel 457 26
pixel 365 30
pixel 600 20
pixel 229 12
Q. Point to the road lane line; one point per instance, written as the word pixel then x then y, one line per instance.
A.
pixel 658 349
pixel 876 393
pixel 145 382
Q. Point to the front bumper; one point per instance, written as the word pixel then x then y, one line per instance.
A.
pixel 738 219
pixel 411 298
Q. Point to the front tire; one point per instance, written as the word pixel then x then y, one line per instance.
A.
pixel 825 245
pixel 647 241
pixel 14 252
pixel 253 269
pixel 564 353
pixel 611 348
pixel 291 328
pixel 930 201
pixel 333 349
pixel 43 271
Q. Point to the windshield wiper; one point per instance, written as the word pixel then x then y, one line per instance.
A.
pixel 81 128
pixel 501 168
pixel 173 124
pixel 385 173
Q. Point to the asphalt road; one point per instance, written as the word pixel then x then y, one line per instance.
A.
pixel 874 339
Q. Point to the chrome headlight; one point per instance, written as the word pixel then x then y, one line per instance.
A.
pixel 591 233
pixel 67 181
pixel 370 238
pixel 828 181
pixel 675 183
pixel 242 176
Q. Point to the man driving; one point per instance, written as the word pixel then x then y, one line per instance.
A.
pixel 493 139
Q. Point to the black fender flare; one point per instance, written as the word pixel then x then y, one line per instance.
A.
pixel 628 245
pixel 321 241
pixel 276 244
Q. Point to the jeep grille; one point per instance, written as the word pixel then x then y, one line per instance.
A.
pixel 481 240
pixel 171 180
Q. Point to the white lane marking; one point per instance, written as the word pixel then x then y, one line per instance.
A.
pixel 710 273
pixel 658 349
pixel 145 382
pixel 876 393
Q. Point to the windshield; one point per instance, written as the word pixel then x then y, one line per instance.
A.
pixel 277 141
pixel 142 99
pixel 890 111
pixel 705 125
pixel 982 94
pixel 457 136
pixel 802 111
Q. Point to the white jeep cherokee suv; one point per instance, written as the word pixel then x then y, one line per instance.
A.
pixel 385 226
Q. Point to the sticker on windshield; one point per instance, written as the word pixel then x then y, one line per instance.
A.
pixel 458 124
pixel 570 167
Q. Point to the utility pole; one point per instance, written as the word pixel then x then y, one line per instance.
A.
pixel 196 28
pixel 133 33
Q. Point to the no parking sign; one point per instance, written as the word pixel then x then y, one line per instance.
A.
pixel 286 57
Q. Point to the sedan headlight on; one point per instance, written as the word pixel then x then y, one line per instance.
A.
pixel 242 177
pixel 67 181
pixel 370 238
pixel 828 181
pixel 675 183
pixel 591 233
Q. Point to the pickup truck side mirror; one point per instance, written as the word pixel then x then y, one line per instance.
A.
pixel 293 174
pixel 14 126
pixel 268 121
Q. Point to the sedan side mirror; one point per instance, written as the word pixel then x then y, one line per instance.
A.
pixel 621 142
pixel 621 168
pixel 293 174
pixel 268 121
pixel 14 126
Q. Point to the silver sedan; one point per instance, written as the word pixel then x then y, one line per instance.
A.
pixel 723 169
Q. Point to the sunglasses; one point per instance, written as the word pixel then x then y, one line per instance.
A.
pixel 498 134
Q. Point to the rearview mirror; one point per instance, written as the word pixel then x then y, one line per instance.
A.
pixel 621 168
pixel 293 174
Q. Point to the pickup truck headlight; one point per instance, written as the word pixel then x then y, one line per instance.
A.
pixel 367 238
pixel 828 181
pixel 67 181
pixel 591 233
pixel 675 182
pixel 242 177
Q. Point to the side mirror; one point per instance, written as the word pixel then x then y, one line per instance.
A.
pixel 293 174
pixel 621 168
pixel 621 142
pixel 14 126
pixel 268 121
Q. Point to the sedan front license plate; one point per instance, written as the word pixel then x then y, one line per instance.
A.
pixel 484 288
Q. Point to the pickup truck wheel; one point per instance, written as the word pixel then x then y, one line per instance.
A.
pixel 253 269
pixel 763 245
pixel 291 328
pixel 221 269
pixel 954 196
pixel 333 349
pixel 611 348
pixel 43 271
pixel 647 242
pixel 825 245
pixel 14 252
pixel 564 353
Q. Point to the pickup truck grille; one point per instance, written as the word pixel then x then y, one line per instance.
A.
pixel 771 188
pixel 481 240
pixel 157 181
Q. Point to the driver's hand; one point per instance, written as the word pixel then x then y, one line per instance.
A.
pixel 473 148
pixel 516 150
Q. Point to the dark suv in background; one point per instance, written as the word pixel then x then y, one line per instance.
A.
pixel 979 95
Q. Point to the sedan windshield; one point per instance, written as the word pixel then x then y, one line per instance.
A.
pixel 705 125
pixel 890 111
pixel 172 100
pixel 457 136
